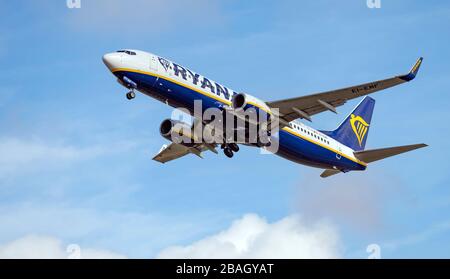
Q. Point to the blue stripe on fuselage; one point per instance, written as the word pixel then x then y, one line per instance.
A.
pixel 300 150
pixel 291 146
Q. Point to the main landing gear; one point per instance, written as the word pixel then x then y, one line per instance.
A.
pixel 131 95
pixel 228 152
pixel 234 147
pixel 229 149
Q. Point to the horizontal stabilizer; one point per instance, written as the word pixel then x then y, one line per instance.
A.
pixel 373 155
pixel 327 173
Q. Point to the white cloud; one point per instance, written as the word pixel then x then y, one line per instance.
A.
pixel 44 247
pixel 253 237
pixel 137 233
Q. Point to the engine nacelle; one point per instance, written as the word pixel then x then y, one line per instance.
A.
pixel 244 101
pixel 177 132
pixel 256 113
pixel 239 101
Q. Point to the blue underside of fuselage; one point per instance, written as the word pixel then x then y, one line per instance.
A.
pixel 291 147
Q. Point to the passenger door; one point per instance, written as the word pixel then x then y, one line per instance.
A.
pixel 153 63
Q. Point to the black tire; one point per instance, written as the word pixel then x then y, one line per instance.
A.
pixel 228 152
pixel 234 147
pixel 131 95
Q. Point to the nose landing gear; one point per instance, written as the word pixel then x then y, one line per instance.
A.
pixel 128 83
pixel 131 95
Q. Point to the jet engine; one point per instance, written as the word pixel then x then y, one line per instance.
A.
pixel 177 132
pixel 256 115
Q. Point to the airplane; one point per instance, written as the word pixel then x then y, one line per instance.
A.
pixel 339 151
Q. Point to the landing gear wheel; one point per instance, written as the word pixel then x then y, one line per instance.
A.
pixel 234 147
pixel 131 95
pixel 228 152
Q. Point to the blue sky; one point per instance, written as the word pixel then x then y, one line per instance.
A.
pixel 75 155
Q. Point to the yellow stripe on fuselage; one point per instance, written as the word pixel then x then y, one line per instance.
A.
pixel 174 81
pixel 211 95
pixel 287 129
pixel 291 131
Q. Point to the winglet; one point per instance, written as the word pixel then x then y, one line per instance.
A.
pixel 413 72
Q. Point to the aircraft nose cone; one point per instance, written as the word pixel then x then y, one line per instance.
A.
pixel 112 60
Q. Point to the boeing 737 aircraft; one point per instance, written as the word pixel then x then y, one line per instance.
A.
pixel 341 150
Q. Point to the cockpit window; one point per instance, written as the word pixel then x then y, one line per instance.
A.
pixel 127 52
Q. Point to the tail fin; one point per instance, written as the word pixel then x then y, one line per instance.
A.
pixel 353 131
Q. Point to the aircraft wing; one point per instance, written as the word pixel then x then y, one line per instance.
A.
pixel 306 106
pixel 171 152
pixel 174 151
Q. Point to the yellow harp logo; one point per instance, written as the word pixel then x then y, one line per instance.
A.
pixel 359 127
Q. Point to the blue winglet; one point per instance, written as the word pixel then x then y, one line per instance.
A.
pixel 412 74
